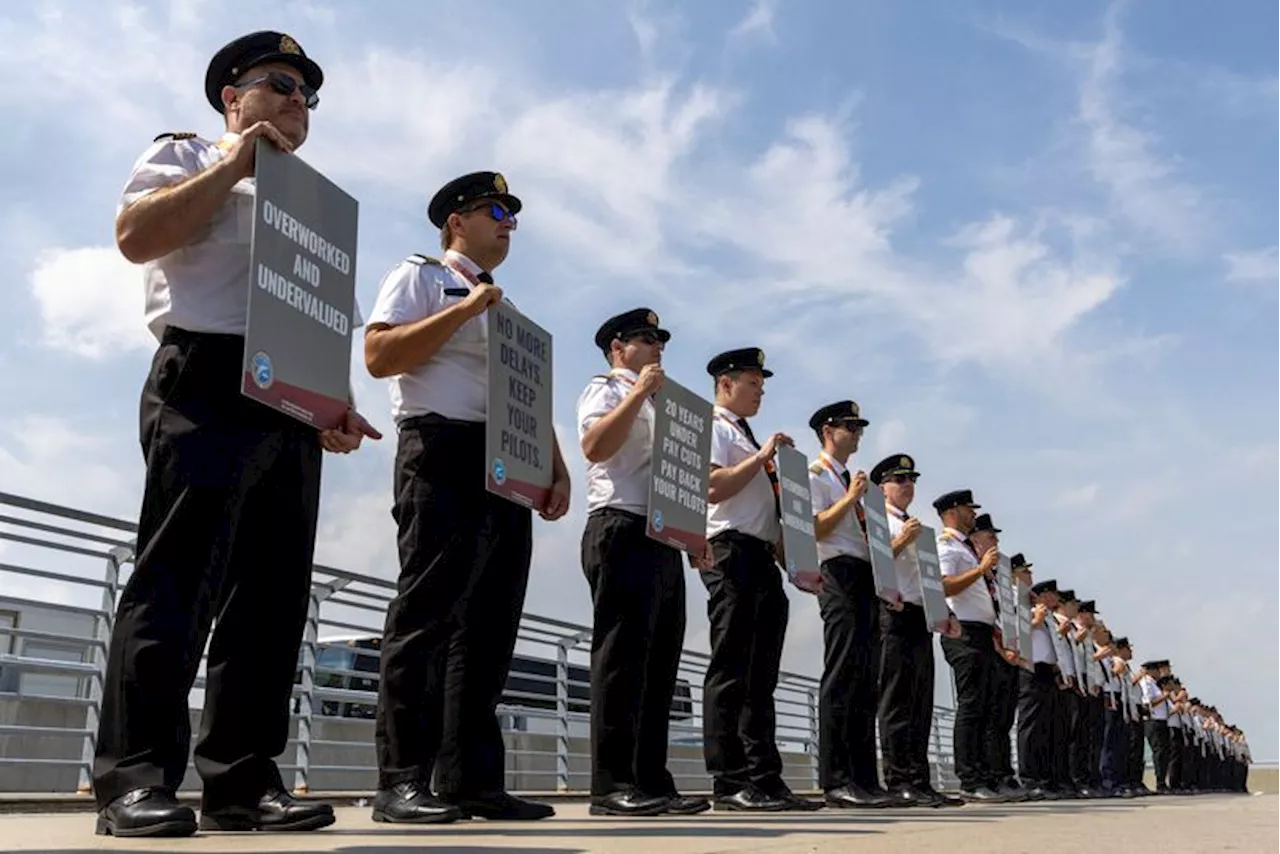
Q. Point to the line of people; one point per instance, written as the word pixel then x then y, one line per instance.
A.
pixel 228 521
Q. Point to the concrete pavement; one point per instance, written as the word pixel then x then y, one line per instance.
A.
pixel 1188 825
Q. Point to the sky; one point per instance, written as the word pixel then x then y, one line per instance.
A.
pixel 1036 242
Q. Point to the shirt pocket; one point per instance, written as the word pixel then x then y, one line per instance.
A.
pixel 472 333
pixel 233 223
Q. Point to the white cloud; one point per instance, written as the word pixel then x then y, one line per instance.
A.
pixel 1144 184
pixel 90 301
pixel 52 459
pixel 1258 266
pixel 756 24
pixel 1081 496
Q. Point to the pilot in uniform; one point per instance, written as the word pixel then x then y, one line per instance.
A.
pixel 464 552
pixel 968 582
pixel 228 520
pixel 850 612
pixel 746 604
pixel 637 583
pixel 1156 698
pixel 1038 697
pixel 906 657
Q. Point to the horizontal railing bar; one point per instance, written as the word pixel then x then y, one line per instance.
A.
pixel 48 544
pixel 66 512
pixel 65 532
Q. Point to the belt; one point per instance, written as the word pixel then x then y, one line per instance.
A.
pixel 431 419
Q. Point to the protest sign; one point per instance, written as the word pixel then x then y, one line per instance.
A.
pixel 301 295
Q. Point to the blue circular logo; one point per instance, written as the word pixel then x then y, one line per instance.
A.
pixel 657 521
pixel 499 472
pixel 262 373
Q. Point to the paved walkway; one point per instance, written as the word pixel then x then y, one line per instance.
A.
pixel 1208 823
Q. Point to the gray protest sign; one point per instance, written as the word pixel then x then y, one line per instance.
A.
pixel 1008 603
pixel 518 429
pixel 1024 624
pixel 886 577
pixel 936 611
pixel 302 286
pixel 797 517
pixel 680 466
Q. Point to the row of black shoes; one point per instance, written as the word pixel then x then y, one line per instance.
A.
pixel 155 811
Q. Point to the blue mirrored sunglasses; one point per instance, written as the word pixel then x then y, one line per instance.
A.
pixel 284 85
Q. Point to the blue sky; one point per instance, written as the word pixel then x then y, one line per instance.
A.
pixel 1035 241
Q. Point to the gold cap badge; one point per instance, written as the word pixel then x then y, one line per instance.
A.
pixel 500 184
pixel 853 409
pixel 651 319
pixel 905 462
pixel 288 45
pixel 760 356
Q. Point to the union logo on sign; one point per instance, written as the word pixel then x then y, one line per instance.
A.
pixel 657 521
pixel 499 472
pixel 263 376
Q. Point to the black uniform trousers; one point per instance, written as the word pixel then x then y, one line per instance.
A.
pixel 1136 758
pixel 451 629
pixel 1158 737
pixel 906 696
pixel 1004 707
pixel 747 609
pixel 850 674
pixel 1115 745
pixel 1037 709
pixel 225 538
pixel 1083 768
pixel 1176 778
pixel 638 602
pixel 1095 723
pixel 973 660
pixel 1065 722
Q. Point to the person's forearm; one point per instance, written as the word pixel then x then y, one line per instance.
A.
pixel 826 520
pixel 727 481
pixel 607 436
pixel 169 218
pixel 953 584
pixel 391 350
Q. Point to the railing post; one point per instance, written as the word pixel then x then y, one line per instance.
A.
pixel 307 650
pixel 813 746
pixel 103 624
pixel 562 713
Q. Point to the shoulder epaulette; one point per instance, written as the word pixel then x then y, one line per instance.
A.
pixel 947 535
pixel 816 468
pixel 177 134
pixel 420 259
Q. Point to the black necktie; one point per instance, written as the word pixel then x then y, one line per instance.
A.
pixel 769 469
pixel 844 475
pixel 486 278
pixel 991 584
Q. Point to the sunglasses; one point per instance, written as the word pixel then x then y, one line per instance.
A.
pixel 646 337
pixel 285 85
pixel 496 212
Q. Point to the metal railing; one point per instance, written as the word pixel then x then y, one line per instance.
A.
pixel 62 569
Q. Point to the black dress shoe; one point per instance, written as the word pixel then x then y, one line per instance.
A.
pixel 796 803
pixel 277 810
pixel 412 803
pixel 146 812
pixel 751 799
pixel 855 797
pixel 686 805
pixel 944 799
pixel 910 796
pixel 499 806
pixel 632 802
pixel 982 795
